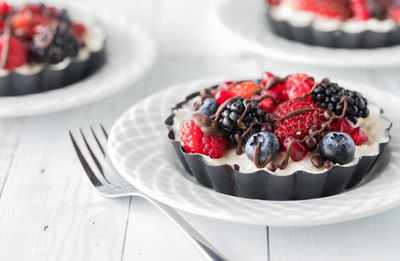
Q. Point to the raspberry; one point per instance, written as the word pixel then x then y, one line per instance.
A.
pixel 213 146
pixel 331 8
pixel 359 136
pixel 195 142
pixel 299 125
pixel 298 150
pixel 297 78
pixel 245 89
pixel 191 136
pixel 299 90
pixel 16 52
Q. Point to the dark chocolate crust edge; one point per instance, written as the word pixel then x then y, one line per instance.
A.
pixel 334 39
pixel 265 185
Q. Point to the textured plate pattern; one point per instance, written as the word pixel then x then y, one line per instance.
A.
pixel 245 22
pixel 130 53
pixel 141 151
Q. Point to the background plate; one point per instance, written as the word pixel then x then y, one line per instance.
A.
pixel 130 52
pixel 141 151
pixel 245 23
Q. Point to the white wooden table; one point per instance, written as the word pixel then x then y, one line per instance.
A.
pixel 48 211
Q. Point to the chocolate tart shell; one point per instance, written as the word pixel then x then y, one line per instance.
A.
pixel 265 185
pixel 50 77
pixel 338 38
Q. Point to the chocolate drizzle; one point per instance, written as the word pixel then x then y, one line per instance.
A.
pixel 210 126
pixel 207 126
pixel 204 94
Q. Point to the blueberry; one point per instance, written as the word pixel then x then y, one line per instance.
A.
pixel 337 147
pixel 208 108
pixel 269 145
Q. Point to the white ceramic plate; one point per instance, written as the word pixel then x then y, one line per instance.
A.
pixel 245 23
pixel 141 151
pixel 130 52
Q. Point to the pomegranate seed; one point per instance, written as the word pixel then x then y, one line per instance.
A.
pixel 266 76
pixel 298 151
pixel 223 95
pixel 359 136
pixel 344 125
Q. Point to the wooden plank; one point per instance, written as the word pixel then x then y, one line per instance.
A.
pixel 10 133
pixel 369 239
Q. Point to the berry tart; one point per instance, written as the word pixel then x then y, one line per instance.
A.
pixel 337 23
pixel 278 138
pixel 43 48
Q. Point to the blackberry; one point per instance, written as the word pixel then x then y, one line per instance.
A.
pixel 55 43
pixel 328 94
pixel 230 116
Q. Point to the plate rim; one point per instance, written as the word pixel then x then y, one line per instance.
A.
pixel 61 99
pixel 295 57
pixel 217 215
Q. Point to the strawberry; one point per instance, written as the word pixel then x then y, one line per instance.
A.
pixel 299 125
pixel 16 52
pixel 245 89
pixel 337 9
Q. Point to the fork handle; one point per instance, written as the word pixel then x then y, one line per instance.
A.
pixel 198 240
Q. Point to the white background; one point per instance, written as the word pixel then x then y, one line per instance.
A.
pixel 49 212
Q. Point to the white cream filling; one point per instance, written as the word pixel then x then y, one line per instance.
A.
pixel 94 39
pixel 298 18
pixel 374 125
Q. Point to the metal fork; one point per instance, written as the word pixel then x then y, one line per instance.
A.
pixel 91 149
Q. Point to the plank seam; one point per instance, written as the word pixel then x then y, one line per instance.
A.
pixel 126 229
